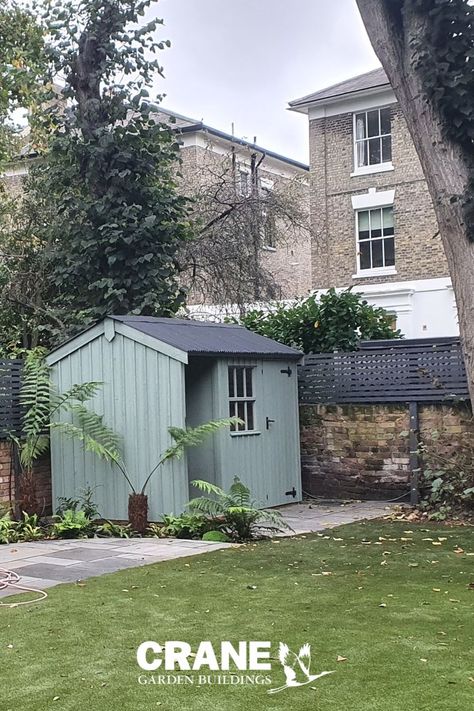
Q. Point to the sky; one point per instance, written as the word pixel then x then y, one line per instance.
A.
pixel 240 62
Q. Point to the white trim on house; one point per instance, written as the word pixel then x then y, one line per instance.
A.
pixel 371 169
pixel 423 307
pixel 373 198
pixel 375 167
pixel 217 145
pixel 371 99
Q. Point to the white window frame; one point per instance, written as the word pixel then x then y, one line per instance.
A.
pixel 375 271
pixel 376 167
pixel 244 399
pixel 245 170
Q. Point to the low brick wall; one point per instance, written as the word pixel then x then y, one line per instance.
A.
pixel 358 451
pixel 42 472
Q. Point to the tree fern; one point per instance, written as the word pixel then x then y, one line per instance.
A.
pixel 189 437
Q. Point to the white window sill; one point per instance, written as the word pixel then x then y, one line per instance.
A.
pixel 371 169
pixel 245 433
pixel 267 248
pixel 384 271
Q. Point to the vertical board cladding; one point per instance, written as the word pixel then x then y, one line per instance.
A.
pixel 141 395
pixel 362 451
pixel 266 460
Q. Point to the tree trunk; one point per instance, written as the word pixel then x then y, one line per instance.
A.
pixel 27 499
pixel 138 512
pixel 395 30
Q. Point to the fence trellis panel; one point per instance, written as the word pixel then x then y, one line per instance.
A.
pixel 10 411
pixel 397 371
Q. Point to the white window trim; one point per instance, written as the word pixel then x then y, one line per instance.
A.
pixel 369 201
pixel 373 198
pixel 371 169
pixel 368 169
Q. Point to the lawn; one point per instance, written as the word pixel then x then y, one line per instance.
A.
pixel 395 602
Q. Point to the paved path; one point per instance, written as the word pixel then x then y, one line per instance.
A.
pixel 305 518
pixel 42 564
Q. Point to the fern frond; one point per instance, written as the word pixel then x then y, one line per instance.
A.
pixel 35 394
pixel 33 448
pixel 208 488
pixel 189 437
pixel 89 428
pixel 80 392
pixel 206 506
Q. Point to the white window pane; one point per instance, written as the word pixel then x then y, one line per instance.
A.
pixel 363 221
pixel 360 126
pixel 375 223
pixel 388 218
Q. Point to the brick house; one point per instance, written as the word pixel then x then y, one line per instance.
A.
pixel 204 150
pixel 209 154
pixel 372 221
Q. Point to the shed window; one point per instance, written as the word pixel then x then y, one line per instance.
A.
pixel 241 397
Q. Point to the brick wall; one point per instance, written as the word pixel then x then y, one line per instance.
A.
pixel 418 248
pixel 42 473
pixel 359 452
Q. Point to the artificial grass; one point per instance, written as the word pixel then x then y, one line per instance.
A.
pixel 77 649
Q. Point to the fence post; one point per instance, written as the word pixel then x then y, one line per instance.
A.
pixel 414 456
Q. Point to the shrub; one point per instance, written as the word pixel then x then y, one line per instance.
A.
pixel 447 481
pixel 72 524
pixel 186 525
pixel 335 321
pixel 114 530
pixel 235 513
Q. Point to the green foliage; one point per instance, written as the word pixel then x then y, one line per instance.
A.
pixel 27 529
pixel 117 220
pixel 217 536
pixel 444 57
pixel 234 512
pixel 115 530
pixel 447 483
pixel 336 321
pixel 185 438
pixel 72 524
pixel 187 525
pixel 84 502
pixel 22 67
pixel 8 529
pixel 41 402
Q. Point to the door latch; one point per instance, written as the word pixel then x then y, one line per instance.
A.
pixel 291 493
pixel 287 371
pixel 269 422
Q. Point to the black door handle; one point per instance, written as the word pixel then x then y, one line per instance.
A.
pixel 269 422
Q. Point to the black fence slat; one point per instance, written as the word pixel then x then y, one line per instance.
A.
pixel 10 410
pixel 386 371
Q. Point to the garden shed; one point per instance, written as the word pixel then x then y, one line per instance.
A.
pixel 162 372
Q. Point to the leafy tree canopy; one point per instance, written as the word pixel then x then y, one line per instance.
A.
pixel 105 179
pixel 336 321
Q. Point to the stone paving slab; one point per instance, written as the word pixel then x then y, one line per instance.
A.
pixel 43 564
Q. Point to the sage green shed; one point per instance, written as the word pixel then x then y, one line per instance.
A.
pixel 157 373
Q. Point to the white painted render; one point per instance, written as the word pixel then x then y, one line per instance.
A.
pixel 424 308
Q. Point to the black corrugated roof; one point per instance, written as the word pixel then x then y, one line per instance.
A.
pixel 201 338
pixel 369 80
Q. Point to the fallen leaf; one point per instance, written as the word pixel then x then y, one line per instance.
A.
pixel 382 604
pixel 436 589
pixel 341 659
pixel 423 660
pixel 436 543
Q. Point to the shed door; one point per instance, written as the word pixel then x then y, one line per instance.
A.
pixel 280 433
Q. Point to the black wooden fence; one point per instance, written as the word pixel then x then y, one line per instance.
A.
pixel 420 370
pixel 10 411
